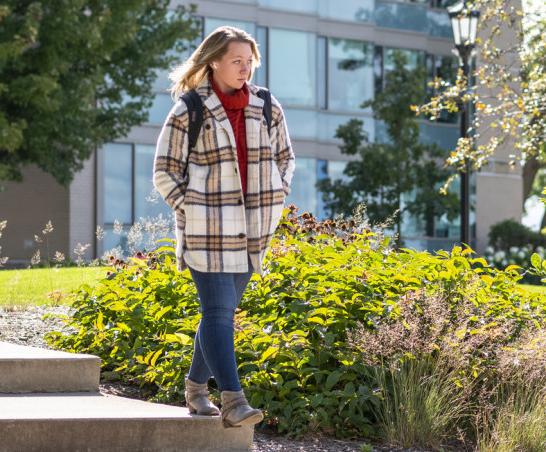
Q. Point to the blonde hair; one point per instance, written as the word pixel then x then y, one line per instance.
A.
pixel 190 74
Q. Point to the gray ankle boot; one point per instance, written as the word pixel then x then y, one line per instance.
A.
pixel 197 400
pixel 236 411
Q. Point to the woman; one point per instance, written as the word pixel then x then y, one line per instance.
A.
pixel 228 193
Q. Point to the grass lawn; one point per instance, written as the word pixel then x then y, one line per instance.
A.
pixel 531 288
pixel 31 286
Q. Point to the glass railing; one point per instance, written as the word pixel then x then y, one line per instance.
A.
pixel 418 16
pixel 401 15
pixel 439 24
pixel 300 6
pixel 348 10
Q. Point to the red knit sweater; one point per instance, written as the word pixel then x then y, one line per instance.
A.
pixel 234 105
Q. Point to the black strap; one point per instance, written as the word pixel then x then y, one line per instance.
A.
pixel 195 109
pixel 265 94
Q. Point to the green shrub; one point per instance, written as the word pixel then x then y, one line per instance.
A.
pixel 509 233
pixel 516 256
pixel 294 360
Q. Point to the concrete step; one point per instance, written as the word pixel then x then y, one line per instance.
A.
pixel 84 421
pixel 32 369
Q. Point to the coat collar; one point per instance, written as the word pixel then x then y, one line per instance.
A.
pixel 204 89
pixel 252 112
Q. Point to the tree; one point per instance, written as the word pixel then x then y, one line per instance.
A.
pixel 67 69
pixel 510 102
pixel 401 164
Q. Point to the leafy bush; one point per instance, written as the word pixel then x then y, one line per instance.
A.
pixel 509 233
pixel 516 255
pixel 322 280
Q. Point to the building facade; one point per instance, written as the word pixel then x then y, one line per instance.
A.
pixel 303 43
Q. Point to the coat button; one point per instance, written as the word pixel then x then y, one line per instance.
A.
pixel 207 126
pixel 241 235
pixel 239 201
pixel 235 170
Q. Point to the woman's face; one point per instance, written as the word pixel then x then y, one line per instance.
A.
pixel 233 69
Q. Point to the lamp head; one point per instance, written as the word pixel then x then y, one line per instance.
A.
pixel 464 22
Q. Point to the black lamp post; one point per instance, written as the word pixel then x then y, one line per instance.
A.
pixel 464 22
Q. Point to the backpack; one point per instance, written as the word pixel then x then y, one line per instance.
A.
pixel 195 109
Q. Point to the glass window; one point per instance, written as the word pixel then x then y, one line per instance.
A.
pixel 431 70
pixel 304 193
pixel 439 23
pixel 322 173
pixel 452 229
pixel 444 135
pixel 292 67
pixel 414 58
pixel 113 239
pixel 410 225
pixel 384 62
pixel 378 68
pixel 329 122
pixel 332 169
pixel 381 135
pixel 260 75
pixel 161 106
pixel 350 73
pixel 211 23
pixel 129 197
pixel 301 6
pixel 308 124
pixel 322 72
pixel 336 168
pixel 162 82
pixel 442 3
pixel 349 10
pixel 302 124
pixel 148 202
pixel 117 182
pixel 143 236
pixel 446 68
pixel 414 228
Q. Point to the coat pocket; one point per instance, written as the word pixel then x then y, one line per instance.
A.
pixel 276 179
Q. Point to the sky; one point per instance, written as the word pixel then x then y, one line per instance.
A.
pixel 534 7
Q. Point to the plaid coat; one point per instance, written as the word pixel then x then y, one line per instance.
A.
pixel 217 227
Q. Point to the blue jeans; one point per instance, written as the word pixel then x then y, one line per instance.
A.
pixel 214 350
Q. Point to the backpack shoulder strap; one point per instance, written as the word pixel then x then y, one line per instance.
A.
pixel 195 110
pixel 265 94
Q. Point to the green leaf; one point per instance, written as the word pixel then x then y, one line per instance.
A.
pixel 512 267
pixel 179 338
pixel 270 352
pixel 318 320
pixel 536 260
pixel 162 312
pixel 332 379
pixel 155 356
pixel 123 327
pixel 99 323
